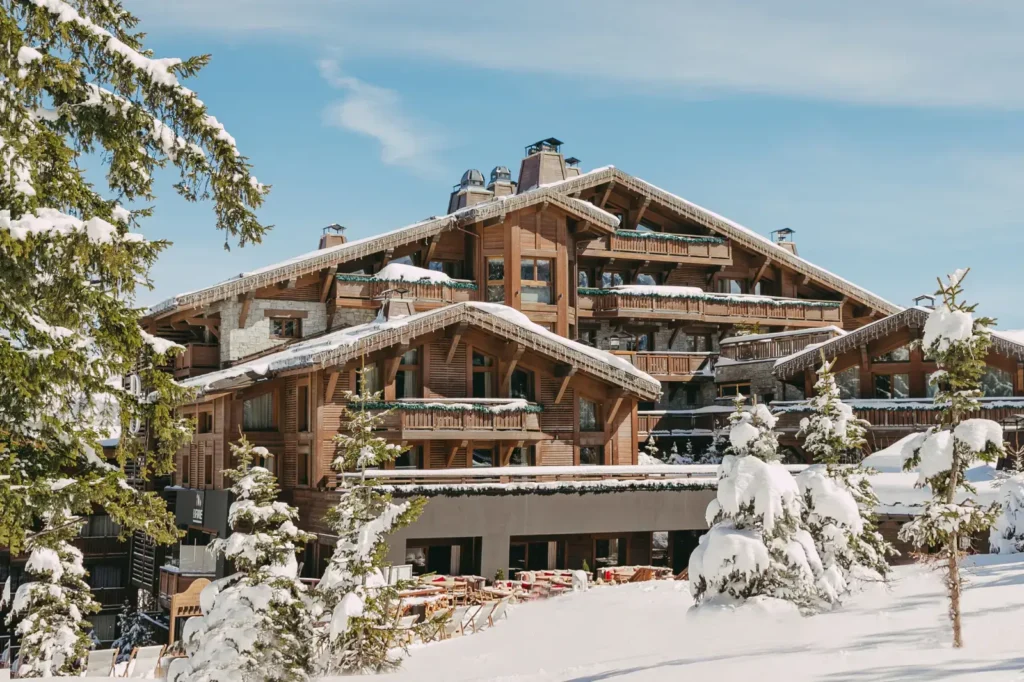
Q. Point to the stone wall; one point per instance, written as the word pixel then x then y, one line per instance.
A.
pixel 662 337
pixel 759 374
pixel 350 317
pixel 237 343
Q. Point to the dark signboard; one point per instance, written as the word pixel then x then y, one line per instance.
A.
pixel 207 509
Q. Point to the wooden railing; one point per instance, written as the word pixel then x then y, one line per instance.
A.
pixel 109 597
pixel 428 292
pixel 717 308
pixel 908 414
pixel 101 546
pixel 667 421
pixel 420 420
pixel 772 348
pixel 173 582
pixel 719 251
pixel 665 365
pixel 196 359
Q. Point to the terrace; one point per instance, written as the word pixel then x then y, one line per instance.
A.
pixel 363 289
pixel 670 365
pixel 461 418
pixel 661 246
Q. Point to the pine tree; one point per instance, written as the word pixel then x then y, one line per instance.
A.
pixel 959 342
pixel 49 607
pixel 353 589
pixel 686 458
pixel 717 448
pixel 1006 536
pixel 257 625
pixel 838 500
pixel 78 89
pixel 651 451
pixel 756 546
pixel 134 631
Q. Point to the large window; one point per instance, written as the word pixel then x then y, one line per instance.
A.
pixel 452 268
pixel 733 390
pixel 889 386
pixel 483 376
pixel 590 417
pixel 536 280
pixel 646 279
pixel 368 380
pixel 584 278
pixel 410 459
pixel 100 526
pixel 695 343
pixel 591 455
pixel 729 286
pixel 204 421
pixel 611 279
pixel 105 575
pixel 901 354
pixel 610 552
pixel 996 383
pixel 407 381
pixel 258 413
pixel 285 327
pixel 496 280
pixel 302 407
pixel 522 385
pixel 302 464
pixel 483 457
pixel 848 382
pixel 523 457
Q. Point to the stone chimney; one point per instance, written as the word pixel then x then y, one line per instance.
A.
pixel 501 184
pixel 543 164
pixel 572 167
pixel 784 238
pixel 469 191
pixel 332 235
pixel 395 305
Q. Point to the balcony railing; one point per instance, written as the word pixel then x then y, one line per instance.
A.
pixel 110 597
pixel 625 243
pixel 173 581
pixel 666 365
pixel 758 348
pixel 366 288
pixel 197 358
pixel 101 546
pixel 711 307
pixel 906 414
pixel 440 419
pixel 679 422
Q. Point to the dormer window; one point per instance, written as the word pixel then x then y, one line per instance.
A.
pixel 285 328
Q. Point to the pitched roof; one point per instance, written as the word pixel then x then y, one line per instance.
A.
pixel 717 223
pixel 1009 343
pixel 339 347
pixel 315 261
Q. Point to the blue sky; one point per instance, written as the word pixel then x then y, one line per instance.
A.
pixel 889 138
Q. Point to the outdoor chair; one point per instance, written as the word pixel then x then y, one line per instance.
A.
pixel 100 663
pixel 437 623
pixel 405 628
pixel 455 622
pixel 483 615
pixel 499 610
pixel 146 660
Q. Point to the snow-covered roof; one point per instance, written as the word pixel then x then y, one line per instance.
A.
pixel 778 335
pixel 319 259
pixel 339 347
pixel 717 223
pixel 901 404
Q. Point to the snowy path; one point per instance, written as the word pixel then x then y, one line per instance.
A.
pixel 644 632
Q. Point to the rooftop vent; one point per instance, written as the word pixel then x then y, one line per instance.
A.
pixel 925 301
pixel 551 144
pixel 784 238
pixel 501 174
pixel 471 178
pixel 572 161
pixel 332 235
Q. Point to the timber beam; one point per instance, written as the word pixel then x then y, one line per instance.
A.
pixel 456 335
pixel 325 288
pixel 565 372
pixel 243 314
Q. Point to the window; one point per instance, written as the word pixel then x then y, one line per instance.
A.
pixel 105 575
pixel 644 226
pixel 536 280
pixel 407 384
pixel 368 380
pixel 733 390
pixel 583 278
pixel 483 376
pixel 523 457
pixel 285 328
pixel 204 421
pixel 589 415
pixel 930 389
pixel 452 268
pixel 483 457
pixel 100 526
pixel 302 457
pixel 611 279
pixel 417 557
pixel 659 548
pixel 889 386
pixel 266 461
pixel 302 408
pixel 591 455
pixel 104 625
pixel 640 341
pixel 901 354
pixel 186 464
pixel 609 552
pixel 258 413
pixel 646 279
pixel 996 382
pixel 522 385
pixel 496 280
pixel 410 459
pixel 208 469
pixel 848 382
pixel 729 286
pixel 589 337
pixel 695 343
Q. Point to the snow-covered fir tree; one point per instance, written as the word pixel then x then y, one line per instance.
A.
pixel 686 458
pixel 361 602
pixel 757 547
pixel 717 448
pixel 133 629
pixel 258 624
pixel 839 500
pixel 50 606
pixel 79 90
pixel 959 342
pixel 1006 536
pixel 651 453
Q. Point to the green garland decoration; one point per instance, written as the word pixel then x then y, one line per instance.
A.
pixel 497 490
pixel 669 237
pixel 450 284
pixel 710 296
pixel 446 407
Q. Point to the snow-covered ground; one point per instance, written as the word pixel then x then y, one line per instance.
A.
pixel 646 632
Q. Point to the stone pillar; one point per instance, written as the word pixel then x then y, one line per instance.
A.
pixel 494 554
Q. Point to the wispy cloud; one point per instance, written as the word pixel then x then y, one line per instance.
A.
pixel 922 53
pixel 377 112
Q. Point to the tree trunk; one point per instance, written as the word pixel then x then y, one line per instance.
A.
pixel 953 584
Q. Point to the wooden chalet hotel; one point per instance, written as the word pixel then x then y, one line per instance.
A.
pixel 534 335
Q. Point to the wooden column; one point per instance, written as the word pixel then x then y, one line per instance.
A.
pixel 867 388
pixel 562 283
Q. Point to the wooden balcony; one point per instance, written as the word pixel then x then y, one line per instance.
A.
pixel 669 366
pixel 758 348
pixel 717 308
pixel 198 358
pixel 681 422
pixel 461 419
pixel 630 245
pixel 359 288
pixel 173 581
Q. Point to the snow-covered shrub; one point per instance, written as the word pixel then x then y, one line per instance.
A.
pixel 134 632
pixel 757 546
pixel 686 458
pixel 959 342
pixel 353 590
pixel 1006 536
pixel 838 500
pixel 257 624
pixel 717 448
